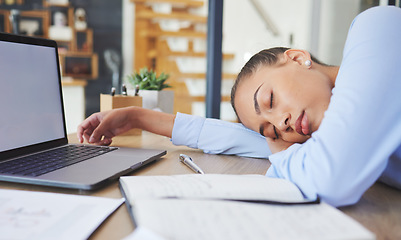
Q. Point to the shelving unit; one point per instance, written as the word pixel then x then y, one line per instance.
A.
pixel 75 46
pixel 151 48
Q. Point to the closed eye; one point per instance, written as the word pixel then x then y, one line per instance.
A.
pixel 270 130
pixel 275 132
pixel 271 100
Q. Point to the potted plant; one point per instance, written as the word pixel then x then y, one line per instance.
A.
pixel 150 88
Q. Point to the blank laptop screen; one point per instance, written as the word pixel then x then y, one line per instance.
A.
pixel 30 103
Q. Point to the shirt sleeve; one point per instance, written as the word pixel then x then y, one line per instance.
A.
pixel 218 137
pixel 362 126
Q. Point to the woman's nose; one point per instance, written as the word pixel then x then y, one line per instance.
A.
pixel 283 122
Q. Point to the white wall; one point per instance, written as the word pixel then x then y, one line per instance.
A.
pixel 128 37
pixel 245 33
pixel 335 20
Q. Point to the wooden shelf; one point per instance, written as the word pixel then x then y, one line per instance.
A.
pixel 74 83
pixel 179 3
pixel 226 56
pixel 188 34
pixel 153 51
pixel 146 14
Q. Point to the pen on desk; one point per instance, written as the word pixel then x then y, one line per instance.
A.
pixel 188 161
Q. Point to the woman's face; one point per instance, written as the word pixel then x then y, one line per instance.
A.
pixel 286 102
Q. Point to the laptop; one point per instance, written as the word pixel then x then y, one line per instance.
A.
pixel 33 145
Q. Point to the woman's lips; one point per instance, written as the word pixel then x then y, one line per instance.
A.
pixel 302 124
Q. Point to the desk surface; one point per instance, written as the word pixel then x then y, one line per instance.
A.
pixel 379 209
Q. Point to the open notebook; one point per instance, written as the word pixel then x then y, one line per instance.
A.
pixel 207 207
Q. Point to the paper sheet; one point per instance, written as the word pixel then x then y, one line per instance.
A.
pixel 142 233
pixel 201 219
pixel 212 186
pixel 39 215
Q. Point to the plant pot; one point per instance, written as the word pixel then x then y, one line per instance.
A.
pixel 157 100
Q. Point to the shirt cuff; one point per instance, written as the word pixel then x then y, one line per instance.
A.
pixel 186 130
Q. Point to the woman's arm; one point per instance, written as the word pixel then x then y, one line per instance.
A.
pixel 101 127
pixel 211 135
pixel 362 125
pixel 218 137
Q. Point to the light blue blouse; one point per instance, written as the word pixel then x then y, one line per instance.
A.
pixel 359 139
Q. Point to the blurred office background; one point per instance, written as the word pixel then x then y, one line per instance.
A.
pixel 113 39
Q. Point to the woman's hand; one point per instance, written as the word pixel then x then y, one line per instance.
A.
pixel 101 127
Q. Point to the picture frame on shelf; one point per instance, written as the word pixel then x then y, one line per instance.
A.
pixel 61 16
pixel 83 40
pixel 79 65
pixel 61 23
pixel 80 20
pixel 4 21
pixel 34 23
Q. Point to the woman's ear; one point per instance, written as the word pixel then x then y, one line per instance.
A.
pixel 301 57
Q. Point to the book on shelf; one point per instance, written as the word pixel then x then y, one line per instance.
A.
pixel 219 206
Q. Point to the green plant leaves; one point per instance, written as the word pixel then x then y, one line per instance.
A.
pixel 148 80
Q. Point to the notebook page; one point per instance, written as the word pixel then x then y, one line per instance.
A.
pixel 142 233
pixel 196 219
pixel 210 186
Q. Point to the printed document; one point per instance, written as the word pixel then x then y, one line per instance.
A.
pixel 40 215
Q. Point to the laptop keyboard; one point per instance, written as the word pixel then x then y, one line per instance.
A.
pixel 41 163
